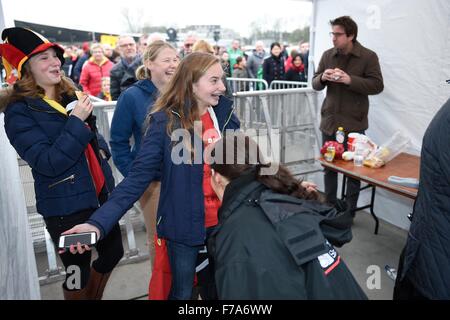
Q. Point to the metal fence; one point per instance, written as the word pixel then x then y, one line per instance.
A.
pixel 284 118
pixel 285 121
pixel 246 84
pixel 280 84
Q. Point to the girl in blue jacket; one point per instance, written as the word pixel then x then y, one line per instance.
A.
pixel 172 149
pixel 69 162
pixel 160 61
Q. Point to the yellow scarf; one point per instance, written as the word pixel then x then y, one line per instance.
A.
pixel 55 105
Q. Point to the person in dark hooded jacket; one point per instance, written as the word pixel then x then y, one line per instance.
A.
pixel 424 265
pixel 274 241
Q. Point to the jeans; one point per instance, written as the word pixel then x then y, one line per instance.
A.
pixel 182 259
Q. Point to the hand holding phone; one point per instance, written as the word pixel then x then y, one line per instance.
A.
pixel 86 238
pixel 77 230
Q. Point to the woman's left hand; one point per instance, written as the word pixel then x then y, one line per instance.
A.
pixel 80 228
pixel 309 186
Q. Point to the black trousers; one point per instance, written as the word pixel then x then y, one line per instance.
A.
pixel 331 181
pixel 109 249
pixel 404 289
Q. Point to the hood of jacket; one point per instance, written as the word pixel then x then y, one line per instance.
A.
pixel 146 85
pixel 285 211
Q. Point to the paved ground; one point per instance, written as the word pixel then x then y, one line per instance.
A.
pixel 366 250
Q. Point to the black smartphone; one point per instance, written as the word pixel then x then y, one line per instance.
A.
pixel 87 238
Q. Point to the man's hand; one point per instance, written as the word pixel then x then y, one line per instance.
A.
pixel 340 76
pixel 327 75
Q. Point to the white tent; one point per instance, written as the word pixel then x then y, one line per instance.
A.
pixel 412 40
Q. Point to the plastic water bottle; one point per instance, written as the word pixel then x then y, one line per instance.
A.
pixel 340 135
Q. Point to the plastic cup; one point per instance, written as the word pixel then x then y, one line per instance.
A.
pixel 358 157
pixel 352 136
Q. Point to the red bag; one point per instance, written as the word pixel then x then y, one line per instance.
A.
pixel 161 280
pixel 339 147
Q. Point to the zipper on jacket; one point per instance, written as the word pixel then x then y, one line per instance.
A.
pixel 228 120
pixel 70 178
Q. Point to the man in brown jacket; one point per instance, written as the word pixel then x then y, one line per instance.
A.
pixel 350 72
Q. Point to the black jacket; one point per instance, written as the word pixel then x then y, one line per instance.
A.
pixel 273 69
pixel 123 76
pixel 427 254
pixel 273 246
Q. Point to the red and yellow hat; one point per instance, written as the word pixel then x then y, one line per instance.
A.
pixel 19 44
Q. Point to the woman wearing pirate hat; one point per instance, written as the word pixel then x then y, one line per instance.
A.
pixel 68 159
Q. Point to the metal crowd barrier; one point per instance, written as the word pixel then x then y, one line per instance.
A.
pixel 285 121
pixel 42 241
pixel 246 84
pixel 280 84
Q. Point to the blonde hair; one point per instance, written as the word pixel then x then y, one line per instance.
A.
pixel 202 46
pixel 95 46
pixel 151 52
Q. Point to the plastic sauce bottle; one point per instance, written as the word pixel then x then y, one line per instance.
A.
pixel 340 135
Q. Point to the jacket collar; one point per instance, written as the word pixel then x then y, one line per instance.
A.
pixel 238 191
pixel 356 50
pixel 147 86
pixel 39 104
pixel 222 110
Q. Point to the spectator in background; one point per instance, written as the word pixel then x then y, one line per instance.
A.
pixel 255 61
pixel 284 51
pixel 216 50
pixel 304 51
pixel 296 71
pixel 105 94
pixel 273 66
pixel 288 61
pixel 240 71
pixel 123 74
pixel 110 53
pixel 234 52
pixel 142 43
pixel 225 63
pixel 160 61
pixel 188 43
pixel 70 60
pixel 97 67
pixel 202 46
pixel 80 62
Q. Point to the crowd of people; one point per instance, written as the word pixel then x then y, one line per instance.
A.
pixel 104 72
pixel 201 183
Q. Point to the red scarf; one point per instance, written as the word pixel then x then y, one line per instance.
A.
pixel 95 169
pixel 299 69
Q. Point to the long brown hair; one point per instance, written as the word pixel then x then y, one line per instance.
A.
pixel 247 156
pixel 26 87
pixel 178 96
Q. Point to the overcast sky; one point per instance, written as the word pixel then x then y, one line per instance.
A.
pixel 106 15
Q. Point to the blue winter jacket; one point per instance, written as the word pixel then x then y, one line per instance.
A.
pixel 181 212
pixel 129 116
pixel 53 145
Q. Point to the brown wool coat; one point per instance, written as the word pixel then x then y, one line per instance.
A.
pixel 348 106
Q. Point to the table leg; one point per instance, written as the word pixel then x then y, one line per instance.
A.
pixel 369 206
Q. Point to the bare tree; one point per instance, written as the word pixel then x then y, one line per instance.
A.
pixel 133 19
